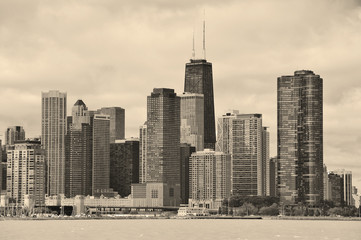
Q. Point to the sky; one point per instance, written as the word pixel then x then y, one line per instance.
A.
pixel 113 53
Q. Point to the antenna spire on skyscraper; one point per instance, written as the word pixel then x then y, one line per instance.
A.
pixel 193 50
pixel 204 34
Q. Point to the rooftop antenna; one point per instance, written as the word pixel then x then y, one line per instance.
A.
pixel 204 34
pixel 193 50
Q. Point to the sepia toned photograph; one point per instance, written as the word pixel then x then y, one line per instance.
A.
pixel 160 119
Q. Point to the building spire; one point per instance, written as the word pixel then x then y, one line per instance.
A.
pixel 193 50
pixel 204 34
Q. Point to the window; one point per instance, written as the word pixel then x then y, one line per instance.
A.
pixel 171 192
pixel 154 193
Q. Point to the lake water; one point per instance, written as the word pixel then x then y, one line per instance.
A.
pixel 174 229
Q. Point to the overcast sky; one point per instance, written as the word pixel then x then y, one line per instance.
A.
pixel 113 53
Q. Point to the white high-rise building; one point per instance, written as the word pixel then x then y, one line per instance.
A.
pixel 240 135
pixel 53 130
pixel 209 176
pixel 26 172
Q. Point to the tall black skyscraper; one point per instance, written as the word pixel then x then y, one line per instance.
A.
pixel 300 138
pixel 199 79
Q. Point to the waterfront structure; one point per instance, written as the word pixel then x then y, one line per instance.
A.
pixel 199 79
pixel 192 119
pixel 14 133
pixel 186 151
pixel 273 173
pixel 265 162
pixel 117 122
pixel 78 152
pixel 100 154
pixel 300 138
pixel 124 165
pixel 209 178
pixel 26 172
pixel 53 129
pixel 347 185
pixel 240 135
pixel 143 153
pixel 163 136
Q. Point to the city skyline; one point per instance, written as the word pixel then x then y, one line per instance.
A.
pixel 247 59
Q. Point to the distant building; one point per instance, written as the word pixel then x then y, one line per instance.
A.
pixel 347 185
pixel 240 135
pixel 26 172
pixel 14 133
pixel 273 172
pixel 300 138
pixel 124 165
pixel 265 162
pixel 192 119
pixel 143 153
pixel 336 190
pixel 325 183
pixel 53 130
pixel 163 135
pixel 186 151
pixel 117 122
pixel 100 154
pixel 199 79
pixel 209 178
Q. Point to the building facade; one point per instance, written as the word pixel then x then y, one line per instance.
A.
pixel 78 152
pixel 209 176
pixel 265 162
pixel 53 129
pixel 240 135
pixel 143 153
pixel 199 79
pixel 336 189
pixel 186 151
pixel 273 172
pixel 124 165
pixel 347 185
pixel 300 137
pixel 192 119
pixel 14 133
pixel 26 172
pixel 163 139
pixel 117 122
pixel 100 154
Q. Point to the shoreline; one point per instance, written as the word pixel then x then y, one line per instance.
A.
pixel 145 217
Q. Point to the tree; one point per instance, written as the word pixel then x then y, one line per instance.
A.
pixel 270 211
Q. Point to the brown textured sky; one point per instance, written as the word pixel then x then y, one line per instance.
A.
pixel 113 53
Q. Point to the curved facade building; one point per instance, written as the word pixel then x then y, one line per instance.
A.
pixel 300 138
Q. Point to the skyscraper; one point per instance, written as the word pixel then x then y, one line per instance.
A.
pixel 26 171
pixel 117 122
pixel 78 152
pixel 53 129
pixel 199 79
pixel 143 153
pixel 14 133
pixel 124 165
pixel 100 154
pixel 240 135
pixel 163 160
pixel 300 137
pixel 192 119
